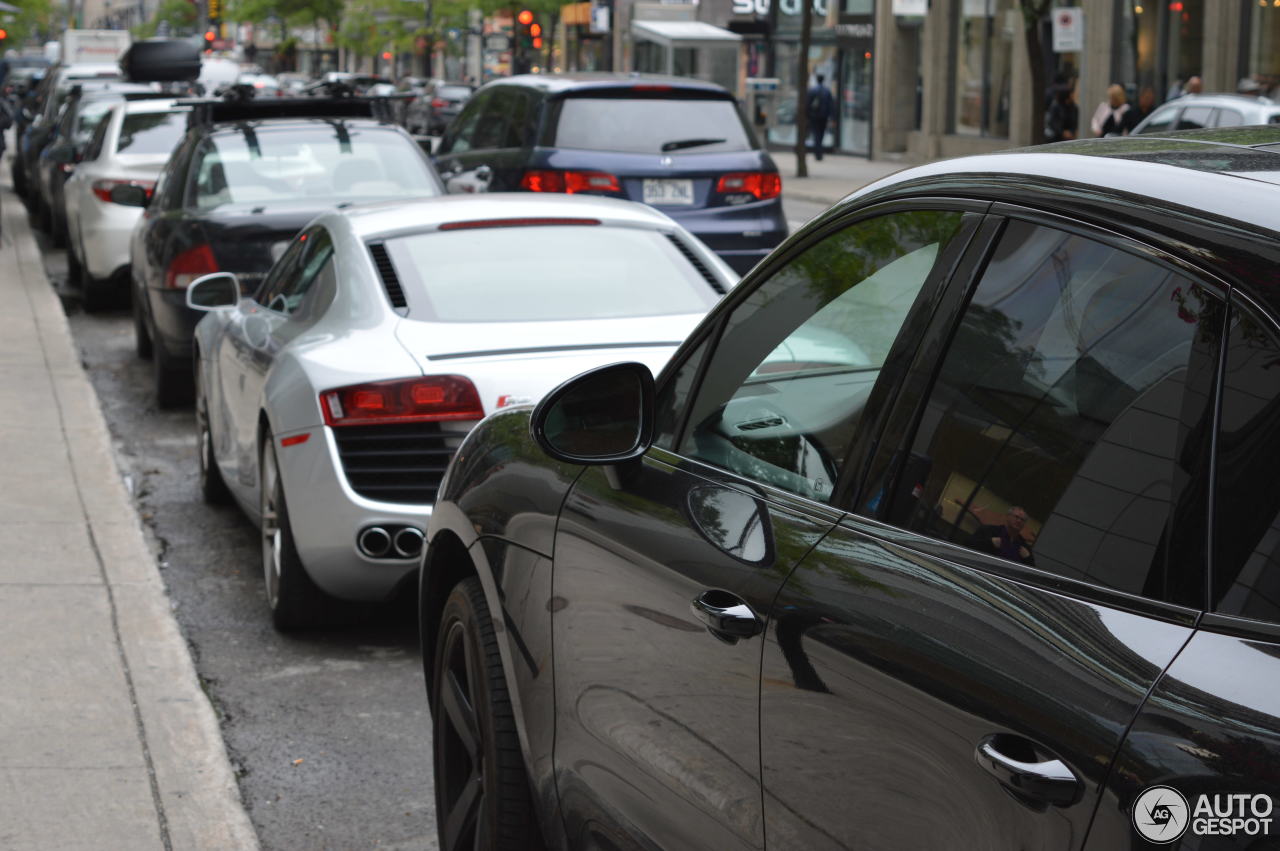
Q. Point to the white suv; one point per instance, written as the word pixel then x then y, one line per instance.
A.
pixel 1196 112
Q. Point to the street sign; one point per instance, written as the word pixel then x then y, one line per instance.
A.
pixel 497 42
pixel 1068 29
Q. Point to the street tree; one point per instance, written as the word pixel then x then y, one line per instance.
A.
pixel 1033 15
pixel 802 87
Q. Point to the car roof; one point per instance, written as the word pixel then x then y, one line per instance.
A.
pixel 141 107
pixel 554 84
pixel 1221 99
pixel 388 218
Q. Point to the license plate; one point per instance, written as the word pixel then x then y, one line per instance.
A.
pixel 668 192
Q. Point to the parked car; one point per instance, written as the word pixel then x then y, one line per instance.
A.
pixel 1197 112
pixel 1006 581
pixel 76 124
pixel 109 188
pixel 330 401
pixel 435 106
pixel 39 123
pixel 242 182
pixel 675 143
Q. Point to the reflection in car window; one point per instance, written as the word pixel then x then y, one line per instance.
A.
pixel 296 280
pixel 1246 565
pixel 650 125
pixel 792 372
pixel 151 132
pixel 1228 118
pixel 1068 427
pixel 318 161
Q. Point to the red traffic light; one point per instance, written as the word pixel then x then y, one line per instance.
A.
pixel 535 30
pixel 537 44
pixel 209 35
pixel 387 55
pixel 525 17
pixel 4 34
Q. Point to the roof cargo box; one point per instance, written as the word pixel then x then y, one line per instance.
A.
pixel 160 60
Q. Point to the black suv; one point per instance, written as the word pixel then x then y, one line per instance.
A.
pixel 678 144
pixel 246 177
pixel 955 525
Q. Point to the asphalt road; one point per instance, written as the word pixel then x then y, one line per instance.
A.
pixel 328 730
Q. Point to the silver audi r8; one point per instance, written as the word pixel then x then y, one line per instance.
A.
pixel 330 401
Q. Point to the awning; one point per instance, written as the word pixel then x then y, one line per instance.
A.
pixel 673 34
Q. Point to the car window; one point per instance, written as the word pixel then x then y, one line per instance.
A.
pixel 1067 428
pixel 1246 563
pixel 460 137
pixel 295 283
pixel 491 128
pixel 1161 119
pixel 94 148
pixel 454 92
pixel 281 275
pixel 266 164
pixel 90 116
pixel 151 132
pixel 1225 117
pixel 790 376
pixel 547 273
pixel 1194 118
pixel 649 125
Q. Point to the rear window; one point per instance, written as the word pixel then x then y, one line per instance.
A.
pixel 546 273
pixel 650 125
pixel 151 132
pixel 454 92
pixel 91 115
pixel 330 162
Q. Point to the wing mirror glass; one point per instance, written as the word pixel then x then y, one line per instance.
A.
pixel 214 292
pixel 127 195
pixel 600 417
pixel 62 154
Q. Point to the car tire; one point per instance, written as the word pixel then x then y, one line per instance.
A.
pixel 75 271
pixel 294 599
pixel 212 486
pixel 482 786
pixel 142 345
pixel 95 294
pixel 173 382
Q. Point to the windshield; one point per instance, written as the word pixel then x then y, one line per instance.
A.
pixel 328 161
pixel 547 273
pixel 152 132
pixel 651 125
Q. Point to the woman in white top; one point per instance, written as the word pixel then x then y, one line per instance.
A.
pixel 1108 118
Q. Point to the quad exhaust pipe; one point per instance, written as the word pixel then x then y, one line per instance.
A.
pixel 390 541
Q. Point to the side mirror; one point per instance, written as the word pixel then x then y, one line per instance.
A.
pixel 62 154
pixel 214 292
pixel 129 195
pixel 600 417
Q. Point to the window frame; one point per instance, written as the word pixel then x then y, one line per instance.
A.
pixel 911 406
pixel 909 338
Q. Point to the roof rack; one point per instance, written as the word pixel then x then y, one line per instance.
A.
pixel 239 105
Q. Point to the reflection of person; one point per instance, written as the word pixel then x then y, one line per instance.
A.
pixel 1005 540
pixel 1063 116
pixel 818 108
pixel 1108 118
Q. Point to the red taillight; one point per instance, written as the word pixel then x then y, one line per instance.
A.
pixel 570 182
pixel 102 188
pixel 408 400
pixel 762 185
pixel 437 103
pixel 189 265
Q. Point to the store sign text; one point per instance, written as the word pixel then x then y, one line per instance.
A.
pixel 760 8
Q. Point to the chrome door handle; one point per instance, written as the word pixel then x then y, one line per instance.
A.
pixel 1048 782
pixel 726 615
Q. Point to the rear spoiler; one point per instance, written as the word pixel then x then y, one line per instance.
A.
pixel 208 111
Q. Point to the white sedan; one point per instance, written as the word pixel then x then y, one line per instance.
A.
pixel 329 403
pixel 108 190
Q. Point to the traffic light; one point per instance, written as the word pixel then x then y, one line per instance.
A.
pixel 215 10
pixel 535 32
pixel 4 36
pixel 525 33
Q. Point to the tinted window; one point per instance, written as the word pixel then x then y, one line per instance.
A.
pixel 288 289
pixel 650 126
pixel 151 132
pixel 94 150
pixel 1247 540
pixel 275 164
pixel 547 273
pixel 674 400
pixel 791 374
pixel 460 137
pixel 1228 118
pixel 1194 118
pixel 1068 425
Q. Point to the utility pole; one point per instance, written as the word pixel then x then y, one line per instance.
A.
pixel 430 40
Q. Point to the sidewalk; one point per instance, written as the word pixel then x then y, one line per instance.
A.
pixel 833 177
pixel 106 739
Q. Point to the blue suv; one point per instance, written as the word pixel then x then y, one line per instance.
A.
pixel 677 144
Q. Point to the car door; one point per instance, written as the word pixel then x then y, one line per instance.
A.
pixel 1200 767
pixel 665 568
pixel 1023 559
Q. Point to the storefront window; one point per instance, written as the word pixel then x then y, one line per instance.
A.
pixel 983 45
pixel 1136 66
pixel 822 60
pixel 1264 49
pixel 1184 43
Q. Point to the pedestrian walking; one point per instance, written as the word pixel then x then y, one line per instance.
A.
pixel 1135 114
pixel 1108 118
pixel 818 108
pixel 1062 118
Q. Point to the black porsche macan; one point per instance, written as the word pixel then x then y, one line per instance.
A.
pixel 955 525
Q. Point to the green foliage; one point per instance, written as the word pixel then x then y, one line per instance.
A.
pixel 180 14
pixel 36 20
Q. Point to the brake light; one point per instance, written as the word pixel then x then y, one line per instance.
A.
pixel 437 103
pixel 763 185
pixel 189 265
pixel 409 400
pixel 569 182
pixel 102 188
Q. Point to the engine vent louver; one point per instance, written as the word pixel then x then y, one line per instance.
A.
pixel 697 263
pixel 396 463
pixel 386 271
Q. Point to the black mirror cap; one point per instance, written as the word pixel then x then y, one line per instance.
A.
pixel 609 374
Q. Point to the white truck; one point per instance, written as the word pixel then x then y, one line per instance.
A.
pixel 93 46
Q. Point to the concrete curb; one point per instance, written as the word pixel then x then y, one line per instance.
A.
pixel 197 801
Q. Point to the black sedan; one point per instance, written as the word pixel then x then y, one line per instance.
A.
pixel 678 144
pixel 246 177
pixel 955 525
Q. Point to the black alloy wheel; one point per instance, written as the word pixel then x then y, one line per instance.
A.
pixel 212 486
pixel 482 787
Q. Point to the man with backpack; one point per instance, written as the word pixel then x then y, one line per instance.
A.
pixel 818 108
